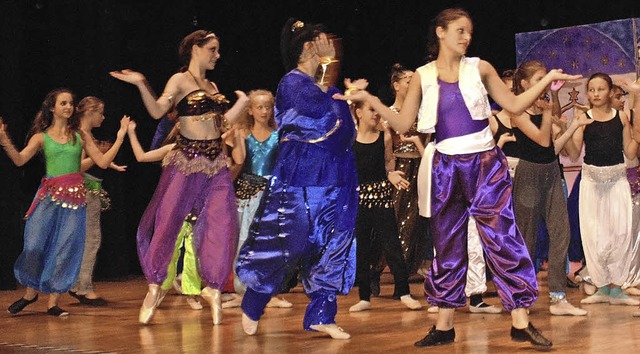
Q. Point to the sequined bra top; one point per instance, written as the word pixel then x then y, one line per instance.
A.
pixel 203 104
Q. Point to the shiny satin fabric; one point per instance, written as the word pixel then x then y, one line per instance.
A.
pixel 54 240
pixel 212 200
pixel 261 155
pixel 306 227
pixel 307 214
pixel 476 184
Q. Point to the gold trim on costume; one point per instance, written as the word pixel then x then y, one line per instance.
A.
pixel 317 140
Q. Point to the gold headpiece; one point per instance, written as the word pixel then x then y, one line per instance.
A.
pixel 297 25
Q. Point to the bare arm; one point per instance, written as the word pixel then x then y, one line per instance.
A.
pixel 628 132
pixel 138 151
pixel 156 107
pixel 389 159
pixel 104 160
pixel 238 108
pixel 505 98
pixel 564 142
pixel 400 122
pixel 578 138
pixel 19 158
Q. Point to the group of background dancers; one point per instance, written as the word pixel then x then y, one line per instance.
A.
pixel 314 199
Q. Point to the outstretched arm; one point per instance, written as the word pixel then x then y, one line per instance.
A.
pixel 400 122
pixel 19 158
pixel 238 108
pixel 505 98
pixel 104 160
pixel 156 107
pixel 138 151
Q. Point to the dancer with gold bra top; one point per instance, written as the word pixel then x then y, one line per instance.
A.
pixel 195 178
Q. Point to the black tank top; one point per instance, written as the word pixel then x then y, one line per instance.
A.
pixel 603 142
pixel 510 148
pixel 531 151
pixel 370 160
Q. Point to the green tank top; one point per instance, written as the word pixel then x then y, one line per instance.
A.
pixel 62 159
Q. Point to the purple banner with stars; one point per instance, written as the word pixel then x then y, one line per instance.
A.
pixel 610 47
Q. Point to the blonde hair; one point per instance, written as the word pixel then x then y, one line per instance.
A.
pixel 247 121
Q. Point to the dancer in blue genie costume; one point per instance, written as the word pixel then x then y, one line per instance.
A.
pixel 306 218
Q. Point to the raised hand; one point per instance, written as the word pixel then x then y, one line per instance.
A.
pixel 4 136
pixel 630 86
pixel 323 46
pixel 557 85
pixel 124 125
pixel 558 74
pixel 132 126
pixel 127 75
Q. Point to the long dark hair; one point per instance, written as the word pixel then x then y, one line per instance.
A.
pixel 44 117
pixel 199 38
pixel 443 19
pixel 294 35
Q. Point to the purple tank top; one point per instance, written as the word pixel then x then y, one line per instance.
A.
pixel 454 118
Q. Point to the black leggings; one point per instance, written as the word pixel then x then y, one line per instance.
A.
pixel 376 229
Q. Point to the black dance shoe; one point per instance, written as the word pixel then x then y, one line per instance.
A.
pixel 97 302
pixel 57 312
pixel 436 337
pixel 530 334
pixel 21 304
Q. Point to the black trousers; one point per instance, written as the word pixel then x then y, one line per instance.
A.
pixel 376 229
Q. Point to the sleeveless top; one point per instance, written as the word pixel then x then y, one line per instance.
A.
pixel 454 119
pixel 603 142
pixel 531 151
pixel 261 155
pixel 370 160
pixel 62 159
pixel 510 148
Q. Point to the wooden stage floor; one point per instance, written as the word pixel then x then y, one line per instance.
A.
pixel 387 328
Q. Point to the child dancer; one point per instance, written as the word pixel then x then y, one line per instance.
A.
pixel 605 195
pixel 54 233
pixel 537 187
pixel 261 146
pixel 376 176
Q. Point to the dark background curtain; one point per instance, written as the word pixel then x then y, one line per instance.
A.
pixel 75 43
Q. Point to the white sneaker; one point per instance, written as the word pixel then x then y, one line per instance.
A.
pixel 249 326
pixel 485 308
pixel 410 302
pixel 362 305
pixel 279 303
pixel 433 309
pixel 331 329
pixel 194 303
pixel 562 307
